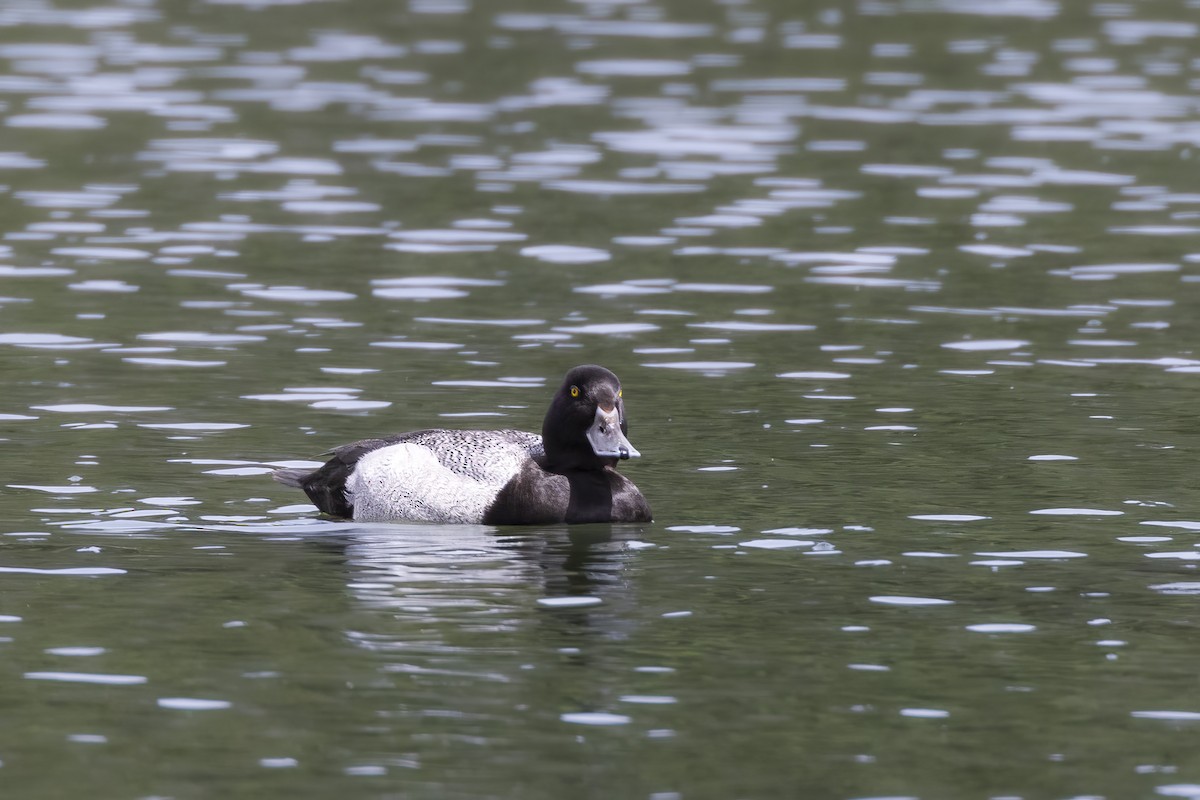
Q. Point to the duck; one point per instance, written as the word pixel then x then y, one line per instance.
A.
pixel 502 477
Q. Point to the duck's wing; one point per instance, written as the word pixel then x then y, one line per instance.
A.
pixel 434 475
pixel 484 456
pixel 452 445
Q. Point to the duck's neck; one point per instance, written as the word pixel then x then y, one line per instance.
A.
pixel 591 496
pixel 568 459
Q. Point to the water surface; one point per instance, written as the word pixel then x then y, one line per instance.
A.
pixel 901 297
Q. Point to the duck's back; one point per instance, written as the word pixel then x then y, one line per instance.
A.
pixel 428 476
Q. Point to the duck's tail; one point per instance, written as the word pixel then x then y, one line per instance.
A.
pixel 291 477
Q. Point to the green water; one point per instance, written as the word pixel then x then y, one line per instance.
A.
pixel 902 300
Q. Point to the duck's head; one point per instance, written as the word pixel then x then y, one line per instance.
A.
pixel 585 427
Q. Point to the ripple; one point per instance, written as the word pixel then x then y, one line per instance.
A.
pixel 417 293
pixel 201 337
pixel 1034 554
pixel 66 199
pixel 1021 204
pixel 1079 512
pixel 87 677
pixel 95 408
pixel 235 471
pixel 192 426
pixel 776 85
pixel 814 375
pixel 799 531
pixel 566 254
pixel 407 345
pixel 69 489
pixel 103 286
pixel 1001 627
pixel 977 345
pixel 755 327
pixel 330 207
pixel 949 517
pixel 458 236
pixel 718 529
pixel 595 718
pixel 837 146
pixel 623 187
pixel 295 294
pixel 44 340
pixel 295 396
pixel 609 328
pixel 1108 271
pixel 34 272
pixel 351 405
pixel 723 288
pixel 1158 230
pixel 76 652
pixel 505 323
pixel 618 289
pixel 1187 525
pixel 775 544
pixel 1067 177
pixel 634 67
pixel 1182 587
pixel 995 251
pixel 875 283
pixel 649 699
pixel 173 362
pixel 901 600
pixel 374 146
pixel 701 366
pixel 924 713
pixel 20 161
pixel 580 26
pixel 105 253
pixel 1177 716
pixel 193 704
pixel 62 122
pixel 569 602
pixel 440 248
pixel 905 170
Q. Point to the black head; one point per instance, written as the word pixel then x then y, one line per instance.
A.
pixel 585 426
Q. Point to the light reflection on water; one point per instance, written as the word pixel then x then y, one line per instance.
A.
pixel 899 294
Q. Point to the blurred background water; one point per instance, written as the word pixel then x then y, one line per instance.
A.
pixel 903 297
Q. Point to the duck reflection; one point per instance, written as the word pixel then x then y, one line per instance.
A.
pixel 442 591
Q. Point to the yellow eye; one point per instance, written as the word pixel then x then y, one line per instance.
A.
pixel 574 391
pixel 618 392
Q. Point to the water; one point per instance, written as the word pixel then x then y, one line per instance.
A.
pixel 901 298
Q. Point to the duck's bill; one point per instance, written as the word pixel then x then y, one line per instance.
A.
pixel 606 438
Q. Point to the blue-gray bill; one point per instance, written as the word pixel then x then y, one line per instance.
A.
pixel 606 437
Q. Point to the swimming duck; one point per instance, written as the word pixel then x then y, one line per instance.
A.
pixel 506 477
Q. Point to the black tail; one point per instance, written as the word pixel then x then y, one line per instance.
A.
pixel 291 477
pixel 325 487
